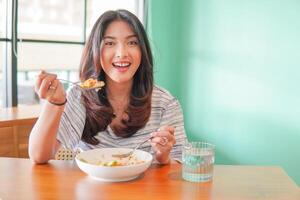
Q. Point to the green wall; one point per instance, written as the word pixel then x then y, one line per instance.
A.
pixel 164 33
pixel 235 67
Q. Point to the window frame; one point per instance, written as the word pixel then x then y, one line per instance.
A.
pixel 10 68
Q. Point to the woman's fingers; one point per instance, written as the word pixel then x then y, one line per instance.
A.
pixel 163 140
pixel 45 85
pixel 48 87
pixel 171 129
pixel 57 92
pixel 39 80
pixel 160 140
pixel 165 147
pixel 52 89
pixel 163 136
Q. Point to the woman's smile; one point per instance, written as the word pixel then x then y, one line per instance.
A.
pixel 121 66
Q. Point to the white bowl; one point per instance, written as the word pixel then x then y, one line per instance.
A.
pixel 108 173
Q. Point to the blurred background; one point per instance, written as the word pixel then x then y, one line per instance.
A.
pixel 233 65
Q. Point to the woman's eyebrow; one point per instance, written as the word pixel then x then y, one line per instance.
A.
pixel 113 38
pixel 109 37
pixel 131 36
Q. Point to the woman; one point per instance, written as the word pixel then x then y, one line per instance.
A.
pixel 126 111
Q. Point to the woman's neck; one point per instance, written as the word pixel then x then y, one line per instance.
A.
pixel 118 92
pixel 119 96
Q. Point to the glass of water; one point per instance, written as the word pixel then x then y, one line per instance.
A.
pixel 198 161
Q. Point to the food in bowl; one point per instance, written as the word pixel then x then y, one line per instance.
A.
pixel 130 160
pixel 101 165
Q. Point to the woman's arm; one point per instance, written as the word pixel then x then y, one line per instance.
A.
pixel 42 140
pixel 168 139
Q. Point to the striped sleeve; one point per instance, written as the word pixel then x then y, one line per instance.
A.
pixel 173 116
pixel 72 120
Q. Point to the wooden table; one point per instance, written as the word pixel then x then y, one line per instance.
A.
pixel 20 179
pixel 15 126
pixel 20 114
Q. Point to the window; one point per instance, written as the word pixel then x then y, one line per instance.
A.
pixel 50 35
pixel 58 20
pixel 1 73
pixel 61 59
pixel 96 7
pixel 3 41
pixel 3 18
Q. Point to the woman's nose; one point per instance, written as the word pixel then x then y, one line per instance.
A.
pixel 121 51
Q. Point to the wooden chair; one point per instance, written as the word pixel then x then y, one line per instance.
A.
pixel 66 154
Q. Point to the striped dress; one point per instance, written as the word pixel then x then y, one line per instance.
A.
pixel 165 110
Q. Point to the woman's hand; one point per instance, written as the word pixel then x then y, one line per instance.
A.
pixel 162 143
pixel 48 87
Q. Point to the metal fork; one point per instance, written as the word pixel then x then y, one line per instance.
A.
pixel 124 155
pixel 97 87
pixel 73 83
pixel 78 84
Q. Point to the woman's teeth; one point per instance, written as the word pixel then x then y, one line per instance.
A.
pixel 121 64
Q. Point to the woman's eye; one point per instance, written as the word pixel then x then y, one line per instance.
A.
pixel 133 43
pixel 108 43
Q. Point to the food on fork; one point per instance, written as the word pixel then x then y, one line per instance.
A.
pixel 91 83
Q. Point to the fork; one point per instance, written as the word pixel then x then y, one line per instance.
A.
pixel 73 83
pixel 124 155
pixel 78 84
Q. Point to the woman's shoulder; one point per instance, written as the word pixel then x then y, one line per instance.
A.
pixel 161 96
pixel 160 91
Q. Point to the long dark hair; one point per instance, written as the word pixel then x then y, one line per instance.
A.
pixel 99 112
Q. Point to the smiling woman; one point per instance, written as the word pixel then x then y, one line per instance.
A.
pixel 127 110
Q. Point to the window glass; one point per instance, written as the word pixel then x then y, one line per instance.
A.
pixel 62 59
pixel 96 7
pixel 2 60
pixel 51 19
pixel 3 18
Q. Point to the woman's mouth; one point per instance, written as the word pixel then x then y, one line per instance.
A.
pixel 121 66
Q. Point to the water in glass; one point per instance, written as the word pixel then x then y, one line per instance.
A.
pixel 198 162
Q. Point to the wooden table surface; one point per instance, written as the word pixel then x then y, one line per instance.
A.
pixel 20 179
pixel 19 115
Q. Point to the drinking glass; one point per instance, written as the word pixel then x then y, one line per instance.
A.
pixel 198 161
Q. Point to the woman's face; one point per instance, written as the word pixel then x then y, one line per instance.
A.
pixel 120 52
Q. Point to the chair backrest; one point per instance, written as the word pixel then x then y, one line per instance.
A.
pixel 66 154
